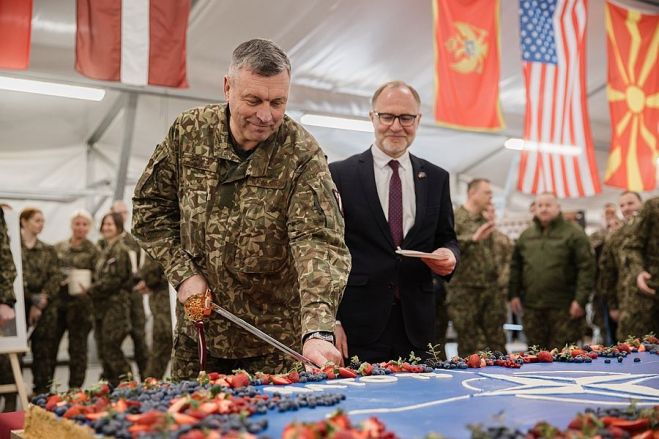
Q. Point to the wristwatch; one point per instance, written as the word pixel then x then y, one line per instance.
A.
pixel 320 335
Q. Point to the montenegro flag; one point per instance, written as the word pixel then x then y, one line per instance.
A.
pixel 466 37
pixel 633 94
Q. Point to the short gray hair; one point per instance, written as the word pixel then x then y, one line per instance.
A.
pixel 395 84
pixel 260 56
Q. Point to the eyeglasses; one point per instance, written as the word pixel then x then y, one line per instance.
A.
pixel 405 120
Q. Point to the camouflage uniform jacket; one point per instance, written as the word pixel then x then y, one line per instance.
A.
pixel 478 267
pixel 82 257
pixel 615 279
pixel 41 272
pixel 503 251
pixel 553 266
pixel 112 274
pixel 153 276
pixel 7 267
pixel 643 247
pixel 266 232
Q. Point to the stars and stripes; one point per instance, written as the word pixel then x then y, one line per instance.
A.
pixel 553 44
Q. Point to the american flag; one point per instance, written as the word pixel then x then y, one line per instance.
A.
pixel 553 44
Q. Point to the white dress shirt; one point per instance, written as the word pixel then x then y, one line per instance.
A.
pixel 383 173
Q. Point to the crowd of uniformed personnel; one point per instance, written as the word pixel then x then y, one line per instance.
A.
pixel 110 301
pixel 549 274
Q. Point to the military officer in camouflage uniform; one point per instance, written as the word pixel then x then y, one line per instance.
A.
pixel 111 299
pixel 41 282
pixel 7 300
pixel 553 263
pixel 616 283
pixel 238 198
pixel 643 254
pixel 75 313
pixel 154 283
pixel 137 315
pixel 475 301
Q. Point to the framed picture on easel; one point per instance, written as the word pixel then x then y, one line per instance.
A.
pixel 13 335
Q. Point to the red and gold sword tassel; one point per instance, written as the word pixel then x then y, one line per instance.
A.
pixel 198 308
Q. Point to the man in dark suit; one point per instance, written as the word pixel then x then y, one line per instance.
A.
pixel 392 199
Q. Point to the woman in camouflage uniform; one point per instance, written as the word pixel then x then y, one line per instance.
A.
pixel 110 298
pixel 75 310
pixel 41 279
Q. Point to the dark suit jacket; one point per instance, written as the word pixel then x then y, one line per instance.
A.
pixel 376 270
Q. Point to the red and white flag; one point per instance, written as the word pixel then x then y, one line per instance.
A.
pixel 15 33
pixel 558 154
pixel 137 42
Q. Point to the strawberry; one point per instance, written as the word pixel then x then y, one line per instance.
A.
pixel 345 372
pixel 193 434
pixel 577 352
pixel 626 424
pixel 293 376
pixel 545 357
pixel 365 369
pixel 330 372
pixel 52 401
pixel 149 418
pixel 280 380
pixel 263 377
pixel 474 360
pixel 75 410
pixel 96 415
pixel 183 419
pixel 120 406
pixel 136 429
pixel 213 376
pixel 298 431
pixel 240 379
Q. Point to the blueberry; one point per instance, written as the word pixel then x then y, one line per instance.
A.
pixel 637 360
pixel 620 359
pixel 607 361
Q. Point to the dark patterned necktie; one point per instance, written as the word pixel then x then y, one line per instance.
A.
pixel 395 205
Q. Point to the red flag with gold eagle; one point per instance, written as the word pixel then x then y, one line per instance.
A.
pixel 467 64
pixel 633 94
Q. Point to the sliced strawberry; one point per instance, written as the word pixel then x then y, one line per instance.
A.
pixel 280 380
pixel 208 407
pixel 183 419
pixel 545 357
pixel 193 434
pixel 238 380
pixel 213 376
pixel 345 372
pixel 96 415
pixel 52 401
pixel 75 410
pixel 626 424
pixel 136 429
pixel 120 406
pixel 178 405
pixel 293 376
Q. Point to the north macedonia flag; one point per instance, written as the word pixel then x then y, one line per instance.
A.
pixel 633 94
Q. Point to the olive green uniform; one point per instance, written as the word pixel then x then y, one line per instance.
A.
pixel 75 312
pixel 110 298
pixel 265 231
pixel 161 346
pixel 552 266
pixel 476 303
pixel 642 251
pixel 7 276
pixel 41 274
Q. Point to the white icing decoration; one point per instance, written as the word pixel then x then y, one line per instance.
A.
pixel 316 387
pixel 350 382
pixel 466 384
pixel 408 407
pixel 286 390
pixel 378 379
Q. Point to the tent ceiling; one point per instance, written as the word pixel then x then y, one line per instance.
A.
pixel 341 51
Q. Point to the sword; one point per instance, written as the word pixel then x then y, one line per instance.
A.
pixel 262 335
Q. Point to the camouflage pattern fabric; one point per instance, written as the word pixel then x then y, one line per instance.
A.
pixel 7 268
pixel 161 346
pixel 111 309
pixel 185 361
pixel 41 275
pixel 75 313
pixel 476 304
pixel 266 232
pixel 551 327
pixel 642 250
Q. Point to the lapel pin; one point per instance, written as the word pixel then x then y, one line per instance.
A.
pixel 421 175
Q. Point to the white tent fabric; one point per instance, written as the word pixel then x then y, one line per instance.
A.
pixel 341 51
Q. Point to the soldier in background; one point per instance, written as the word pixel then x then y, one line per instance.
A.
pixel 154 283
pixel 643 257
pixel 616 283
pixel 7 314
pixel 475 303
pixel 41 282
pixel 601 318
pixel 137 315
pixel 110 296
pixel 238 198
pixel 554 265
pixel 75 311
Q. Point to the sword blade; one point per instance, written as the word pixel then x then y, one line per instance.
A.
pixel 262 335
